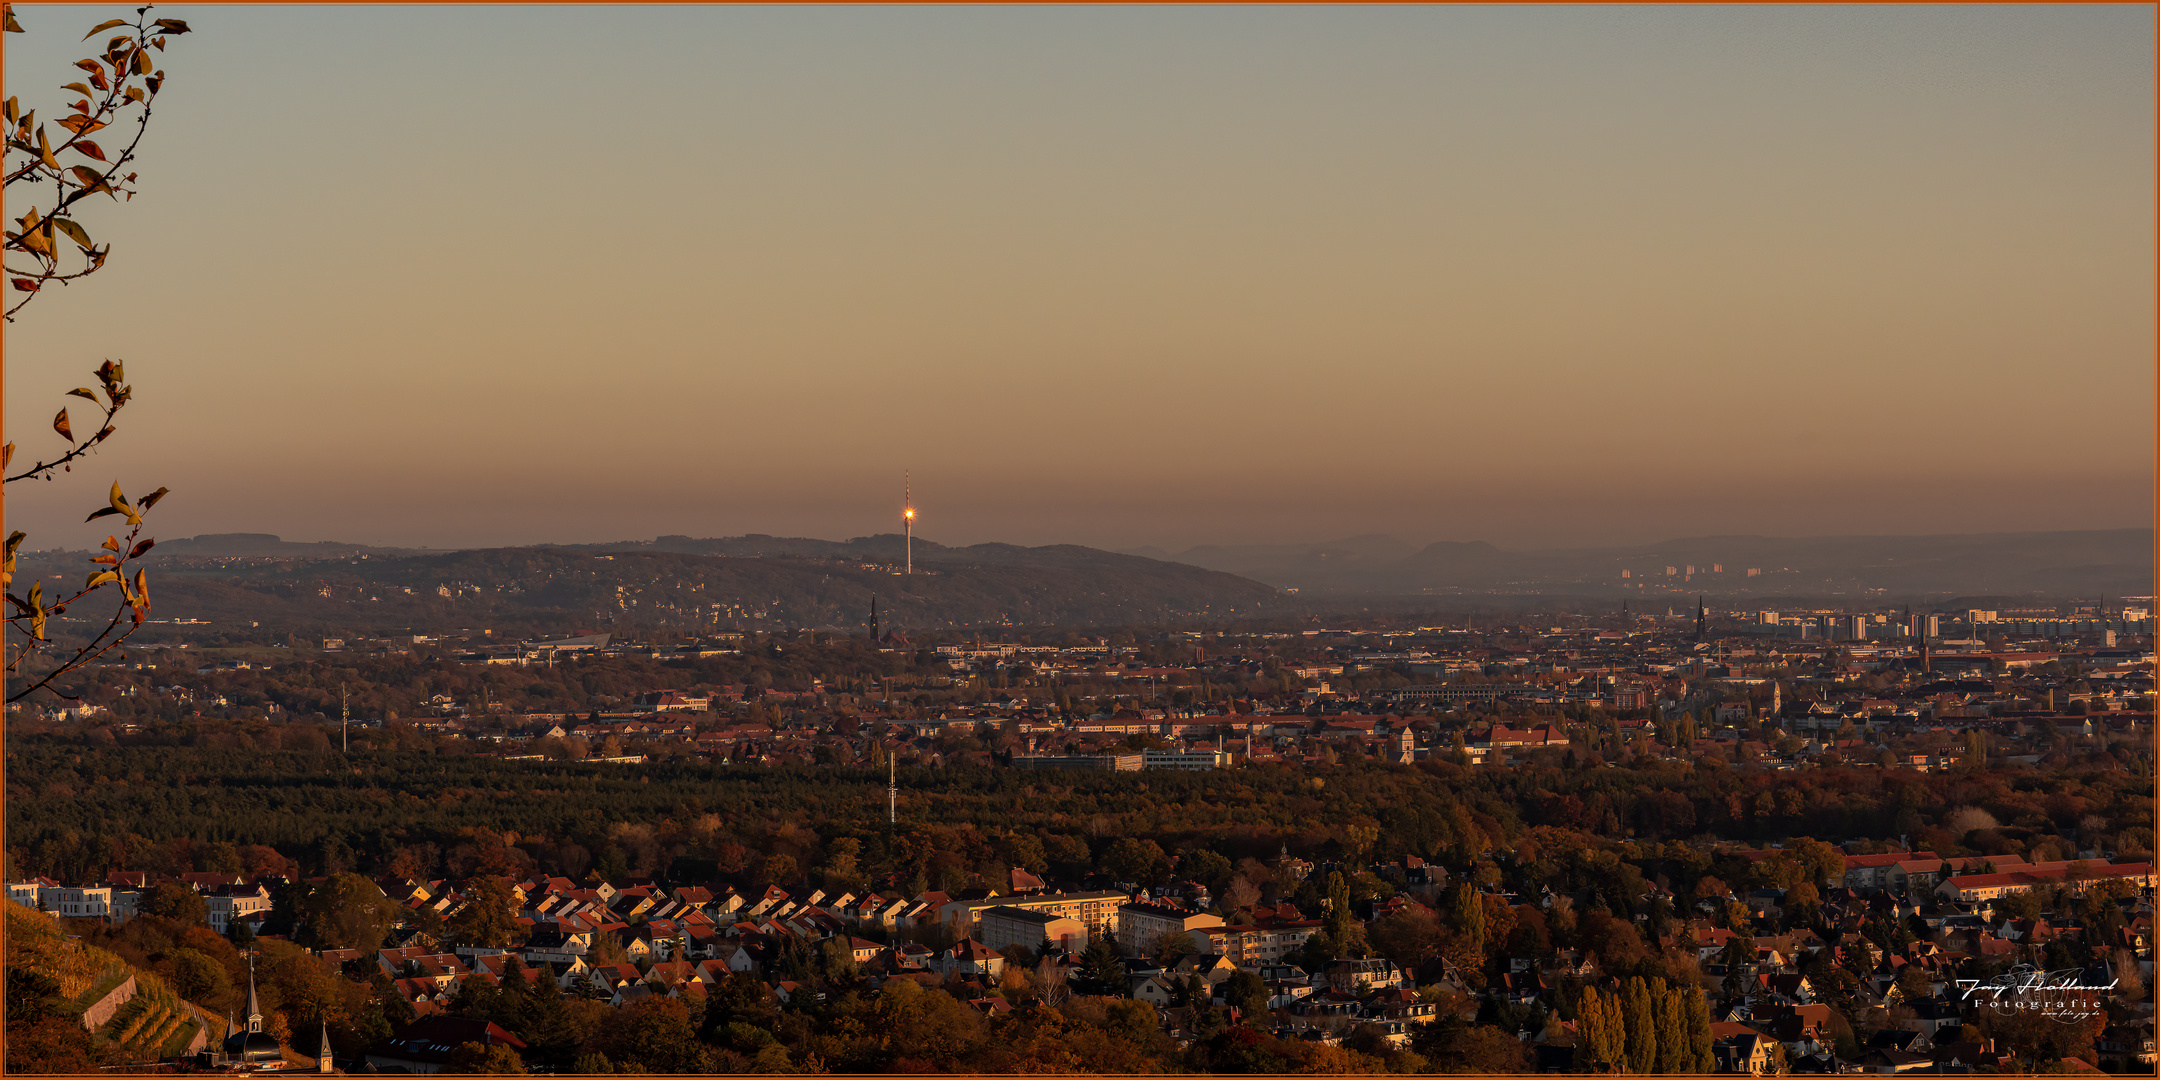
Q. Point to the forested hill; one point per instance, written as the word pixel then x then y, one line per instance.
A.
pixel 635 587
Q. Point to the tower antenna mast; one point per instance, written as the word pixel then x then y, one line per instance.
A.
pixel 344 720
pixel 907 517
pixel 892 790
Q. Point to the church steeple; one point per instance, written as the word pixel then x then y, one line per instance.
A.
pixel 254 1008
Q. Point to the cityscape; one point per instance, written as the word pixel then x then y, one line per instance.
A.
pixel 1083 541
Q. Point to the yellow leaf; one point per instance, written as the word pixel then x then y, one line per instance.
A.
pixel 102 27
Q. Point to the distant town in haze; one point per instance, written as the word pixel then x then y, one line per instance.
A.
pixel 760 804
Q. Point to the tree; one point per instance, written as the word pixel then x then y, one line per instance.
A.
pixel 345 911
pixel 1338 900
pixel 654 1033
pixel 55 1044
pixel 1100 972
pixel 1701 1039
pixel 547 1030
pixel 1467 914
pixel 174 900
pixel 121 78
pixel 1641 1026
pixel 1408 937
pixel 489 917
pixel 1474 1048
pixel 1051 984
pixel 1675 1054
pixel 484 1059
pixel 1246 993
pixel 841 870
pixel 197 977
pixel 922 1027
pixel 1604 1032
pixel 1133 860
pixel 31 995
pixel 1739 959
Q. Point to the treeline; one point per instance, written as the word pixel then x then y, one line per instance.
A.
pixel 78 809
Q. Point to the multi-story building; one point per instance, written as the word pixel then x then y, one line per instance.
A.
pixel 1976 887
pixel 1192 761
pixel 1103 762
pixel 1251 946
pixel 1142 926
pixel 1098 911
pixel 1002 927
pixel 229 903
pixel 1452 693
pixel 83 903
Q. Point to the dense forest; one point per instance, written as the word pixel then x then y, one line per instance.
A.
pixel 77 808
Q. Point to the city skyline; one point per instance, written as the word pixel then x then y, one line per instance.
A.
pixel 1120 277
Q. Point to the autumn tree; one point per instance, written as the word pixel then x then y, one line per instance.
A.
pixel 345 911
pixel 484 1059
pixel 174 900
pixel 1603 1029
pixel 1408 937
pixel 1674 1052
pixel 1641 1039
pixel 489 917
pixel 49 244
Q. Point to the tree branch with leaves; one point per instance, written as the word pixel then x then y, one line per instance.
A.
pixel 119 83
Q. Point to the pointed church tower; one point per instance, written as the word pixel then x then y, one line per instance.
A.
pixel 254 1009
pixel 322 1051
pixel 1702 621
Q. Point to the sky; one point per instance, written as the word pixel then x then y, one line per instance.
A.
pixel 1116 276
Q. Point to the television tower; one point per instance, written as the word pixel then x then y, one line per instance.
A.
pixel 907 519
pixel 344 720
pixel 892 789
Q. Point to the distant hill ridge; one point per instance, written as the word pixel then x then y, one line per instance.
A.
pixel 2109 562
pixel 672 583
pixel 755 581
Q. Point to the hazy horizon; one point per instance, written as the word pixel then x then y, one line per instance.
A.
pixel 1122 277
pixel 1411 543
